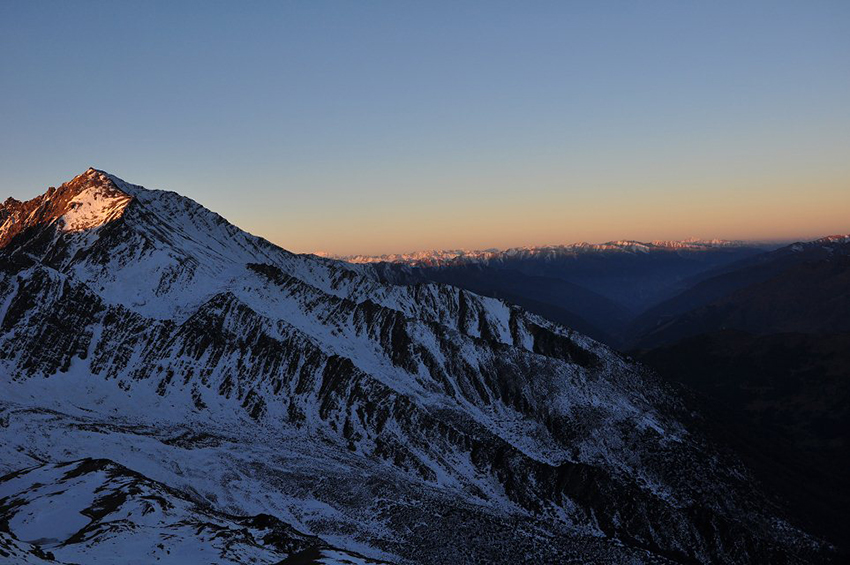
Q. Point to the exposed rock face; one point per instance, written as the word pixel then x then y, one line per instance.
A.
pixel 85 203
pixel 417 423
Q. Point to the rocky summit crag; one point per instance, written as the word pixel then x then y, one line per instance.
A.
pixel 177 390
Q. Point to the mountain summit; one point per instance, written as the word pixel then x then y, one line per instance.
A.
pixel 88 201
pixel 284 403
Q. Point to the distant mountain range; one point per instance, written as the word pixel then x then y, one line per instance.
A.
pixel 175 389
pixel 598 289
pixel 442 258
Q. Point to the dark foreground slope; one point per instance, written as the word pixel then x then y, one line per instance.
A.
pixel 767 344
pixel 798 288
pixel 784 401
pixel 417 423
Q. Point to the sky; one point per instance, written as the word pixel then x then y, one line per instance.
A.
pixel 380 127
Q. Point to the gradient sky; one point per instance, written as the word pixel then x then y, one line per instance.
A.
pixel 372 127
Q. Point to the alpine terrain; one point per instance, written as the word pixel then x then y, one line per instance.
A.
pixel 596 289
pixel 175 390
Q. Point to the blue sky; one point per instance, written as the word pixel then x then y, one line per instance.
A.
pixel 392 126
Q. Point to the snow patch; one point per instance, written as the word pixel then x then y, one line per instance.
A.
pixel 93 208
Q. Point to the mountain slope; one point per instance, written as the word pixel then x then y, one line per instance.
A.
pixel 783 399
pixel 166 340
pixel 765 342
pixel 92 509
pixel 799 288
pixel 555 299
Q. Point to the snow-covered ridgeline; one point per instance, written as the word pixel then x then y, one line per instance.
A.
pixel 459 256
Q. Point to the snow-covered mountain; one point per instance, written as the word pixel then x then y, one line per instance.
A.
pixel 175 389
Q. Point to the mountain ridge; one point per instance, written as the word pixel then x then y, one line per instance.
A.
pixel 744 294
pixel 442 257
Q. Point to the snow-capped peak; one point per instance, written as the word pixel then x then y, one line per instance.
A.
pixel 93 207
pixel 834 239
pixel 88 201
